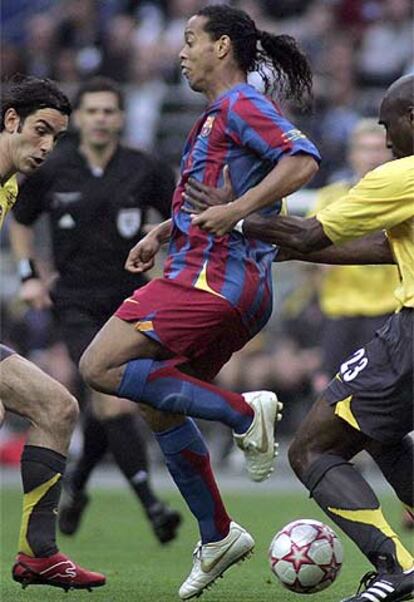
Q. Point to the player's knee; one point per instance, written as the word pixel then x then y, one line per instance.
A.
pixel 64 411
pixel 302 453
pixel 99 372
pixel 71 411
pixel 57 412
pixel 91 370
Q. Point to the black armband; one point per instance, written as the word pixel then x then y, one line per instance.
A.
pixel 27 269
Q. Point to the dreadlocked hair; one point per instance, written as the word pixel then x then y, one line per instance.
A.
pixel 283 67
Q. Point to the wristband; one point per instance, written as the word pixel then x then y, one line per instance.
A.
pixel 239 226
pixel 27 269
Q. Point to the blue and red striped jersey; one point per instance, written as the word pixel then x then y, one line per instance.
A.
pixel 245 130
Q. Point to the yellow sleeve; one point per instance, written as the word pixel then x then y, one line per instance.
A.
pixel 381 200
pixel 327 195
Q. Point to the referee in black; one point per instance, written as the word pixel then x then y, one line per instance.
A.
pixel 98 195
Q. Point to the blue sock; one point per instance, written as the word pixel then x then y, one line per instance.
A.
pixel 163 386
pixel 188 461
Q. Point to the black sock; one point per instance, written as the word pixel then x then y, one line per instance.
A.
pixel 41 471
pixel 397 466
pixel 129 450
pixel 95 445
pixel 350 502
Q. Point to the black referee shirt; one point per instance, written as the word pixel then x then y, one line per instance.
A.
pixel 95 217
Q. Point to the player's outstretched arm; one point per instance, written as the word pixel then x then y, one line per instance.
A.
pixel 300 234
pixel 142 257
pixel 372 249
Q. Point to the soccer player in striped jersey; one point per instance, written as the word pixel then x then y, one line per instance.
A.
pixel 34 113
pixel 369 404
pixel 167 342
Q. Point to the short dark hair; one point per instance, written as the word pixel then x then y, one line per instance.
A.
pixel 99 84
pixel 26 95
pixel 262 51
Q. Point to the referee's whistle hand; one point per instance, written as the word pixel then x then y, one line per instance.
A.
pixel 34 292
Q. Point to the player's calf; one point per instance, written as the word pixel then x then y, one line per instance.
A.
pixel 48 405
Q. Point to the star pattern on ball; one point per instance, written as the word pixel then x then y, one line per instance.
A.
pixel 298 556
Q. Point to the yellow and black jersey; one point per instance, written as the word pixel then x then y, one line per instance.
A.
pixel 354 290
pixel 382 200
pixel 8 195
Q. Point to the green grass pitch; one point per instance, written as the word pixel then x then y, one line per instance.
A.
pixel 116 540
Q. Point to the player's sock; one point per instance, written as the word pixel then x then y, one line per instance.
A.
pixel 163 386
pixel 129 451
pixel 95 445
pixel 351 503
pixel 396 464
pixel 188 461
pixel 41 471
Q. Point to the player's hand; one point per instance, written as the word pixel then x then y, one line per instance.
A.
pixel 142 257
pixel 217 220
pixel 199 197
pixel 35 293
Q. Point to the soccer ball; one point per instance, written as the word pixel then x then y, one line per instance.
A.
pixel 306 556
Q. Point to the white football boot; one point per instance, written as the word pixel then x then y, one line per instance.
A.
pixel 212 559
pixel 258 442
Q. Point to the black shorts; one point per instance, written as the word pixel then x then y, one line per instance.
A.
pixel 374 388
pixel 79 315
pixel 77 327
pixel 342 335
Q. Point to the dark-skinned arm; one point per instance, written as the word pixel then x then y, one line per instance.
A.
pixel 298 233
pixel 371 249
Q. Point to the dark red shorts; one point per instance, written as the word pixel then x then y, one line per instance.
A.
pixel 198 326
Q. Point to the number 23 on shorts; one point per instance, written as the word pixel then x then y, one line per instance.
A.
pixel 352 367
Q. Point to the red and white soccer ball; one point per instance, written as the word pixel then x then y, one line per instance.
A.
pixel 306 556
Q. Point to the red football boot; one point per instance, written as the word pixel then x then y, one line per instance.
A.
pixel 57 570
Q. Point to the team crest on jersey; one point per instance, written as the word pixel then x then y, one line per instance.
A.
pixel 207 126
pixel 128 222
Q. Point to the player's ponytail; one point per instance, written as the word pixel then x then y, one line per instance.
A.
pixel 290 69
pixel 283 66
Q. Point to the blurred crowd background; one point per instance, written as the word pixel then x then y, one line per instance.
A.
pixel 356 48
